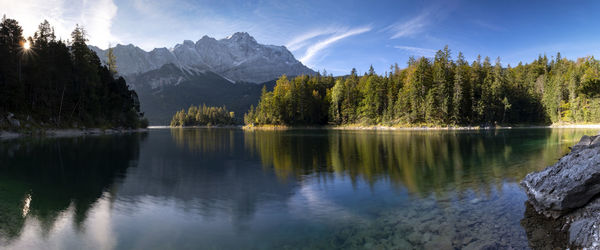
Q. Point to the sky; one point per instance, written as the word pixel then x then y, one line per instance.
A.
pixel 334 35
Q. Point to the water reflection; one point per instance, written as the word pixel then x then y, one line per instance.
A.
pixel 231 189
pixel 423 162
pixel 42 178
pixel 207 172
pixel 210 140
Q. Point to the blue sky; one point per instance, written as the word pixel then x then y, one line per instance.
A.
pixel 335 35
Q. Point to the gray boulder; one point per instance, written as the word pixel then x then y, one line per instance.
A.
pixel 565 200
pixel 570 183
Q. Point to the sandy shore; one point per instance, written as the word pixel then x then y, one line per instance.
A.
pixel 69 132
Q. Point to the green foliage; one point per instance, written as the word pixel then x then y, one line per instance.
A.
pixel 303 101
pixel 61 85
pixel 202 116
pixel 441 92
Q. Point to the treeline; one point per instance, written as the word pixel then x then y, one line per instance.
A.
pixel 440 92
pixel 203 116
pixel 52 83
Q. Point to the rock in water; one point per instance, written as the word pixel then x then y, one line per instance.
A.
pixel 570 183
pixel 566 197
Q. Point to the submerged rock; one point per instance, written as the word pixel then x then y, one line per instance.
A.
pixel 544 232
pixel 564 204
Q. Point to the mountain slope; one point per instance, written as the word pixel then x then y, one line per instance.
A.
pixel 164 91
pixel 239 58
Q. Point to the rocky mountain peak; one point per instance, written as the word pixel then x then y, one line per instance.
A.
pixel 238 58
pixel 241 37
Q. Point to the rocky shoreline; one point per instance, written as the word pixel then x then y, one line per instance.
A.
pixel 67 132
pixel 564 198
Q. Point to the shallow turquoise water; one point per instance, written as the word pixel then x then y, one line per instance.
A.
pixel 300 189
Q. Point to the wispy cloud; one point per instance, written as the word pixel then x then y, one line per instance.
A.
pixel 314 49
pixel 410 27
pixel 96 16
pixel 301 41
pixel 421 22
pixel 417 51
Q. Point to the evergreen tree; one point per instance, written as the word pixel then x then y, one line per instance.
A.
pixel 54 84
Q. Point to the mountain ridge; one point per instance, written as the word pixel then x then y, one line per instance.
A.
pixel 238 58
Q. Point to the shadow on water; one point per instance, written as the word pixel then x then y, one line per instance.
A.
pixel 41 178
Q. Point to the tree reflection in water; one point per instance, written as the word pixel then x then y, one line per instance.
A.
pixel 423 162
pixel 42 178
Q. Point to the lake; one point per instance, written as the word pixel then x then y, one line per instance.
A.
pixel 297 189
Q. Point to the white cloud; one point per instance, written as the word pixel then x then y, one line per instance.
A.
pixel 95 16
pixel 302 40
pixel 433 14
pixel 411 27
pixel 314 49
pixel 417 51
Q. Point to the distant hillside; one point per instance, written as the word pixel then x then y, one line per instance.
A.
pixel 169 89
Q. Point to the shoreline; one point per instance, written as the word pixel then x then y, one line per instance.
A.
pixel 185 127
pixel 56 133
pixel 419 128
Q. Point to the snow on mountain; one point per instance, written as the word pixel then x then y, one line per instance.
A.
pixel 238 58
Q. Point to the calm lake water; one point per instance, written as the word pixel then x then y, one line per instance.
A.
pixel 301 189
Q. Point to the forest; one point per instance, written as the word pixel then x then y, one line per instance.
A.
pixel 203 116
pixel 440 91
pixel 50 83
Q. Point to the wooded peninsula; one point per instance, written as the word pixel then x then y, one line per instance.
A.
pixel 440 92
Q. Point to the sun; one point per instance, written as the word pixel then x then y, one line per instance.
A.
pixel 26 45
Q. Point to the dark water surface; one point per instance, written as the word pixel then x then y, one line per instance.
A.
pixel 307 189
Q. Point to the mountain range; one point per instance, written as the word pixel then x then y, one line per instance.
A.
pixel 230 71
